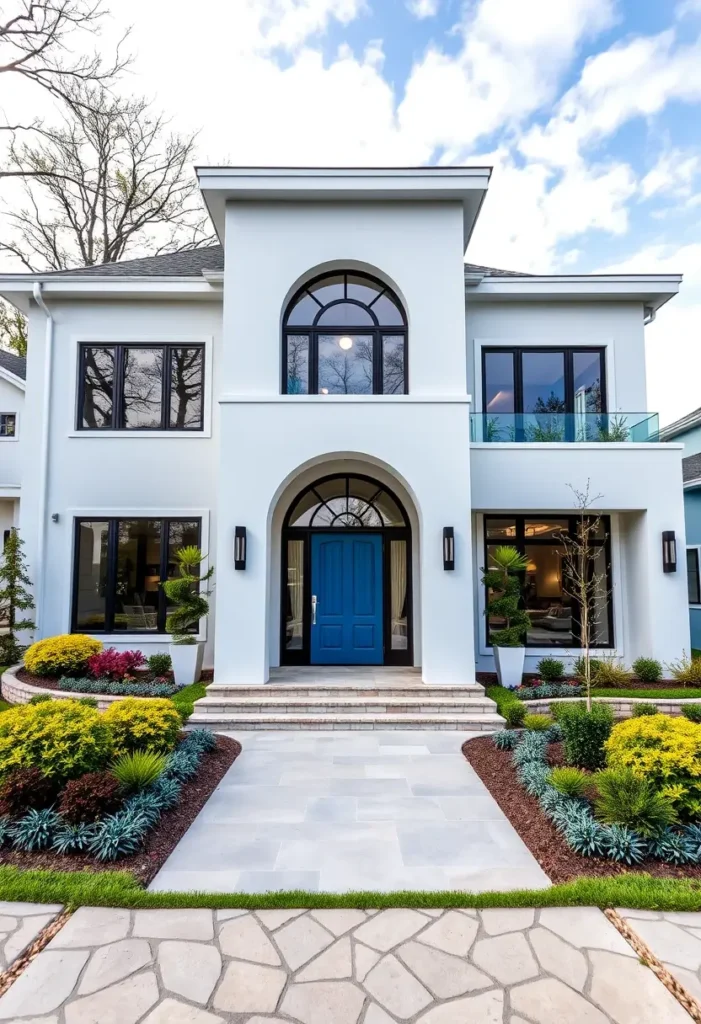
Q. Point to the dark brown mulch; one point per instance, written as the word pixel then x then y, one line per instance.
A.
pixel 490 679
pixel 161 841
pixel 51 682
pixel 557 860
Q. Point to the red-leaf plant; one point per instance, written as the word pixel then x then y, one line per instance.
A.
pixel 114 664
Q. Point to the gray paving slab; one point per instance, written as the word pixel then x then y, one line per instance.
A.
pixel 343 967
pixel 344 810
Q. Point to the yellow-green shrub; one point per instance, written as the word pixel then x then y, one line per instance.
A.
pixel 537 723
pixel 666 752
pixel 142 724
pixel 63 738
pixel 60 655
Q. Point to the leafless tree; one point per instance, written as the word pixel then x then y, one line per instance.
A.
pixel 13 329
pixel 111 179
pixel 581 580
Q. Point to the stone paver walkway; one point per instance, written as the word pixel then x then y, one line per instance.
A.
pixel 675 939
pixel 340 811
pixel 20 923
pixel 554 966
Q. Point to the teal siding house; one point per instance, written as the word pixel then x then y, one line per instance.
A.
pixel 688 431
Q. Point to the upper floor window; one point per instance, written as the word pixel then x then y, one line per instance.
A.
pixel 543 380
pixel 693 576
pixel 345 334
pixel 8 424
pixel 141 387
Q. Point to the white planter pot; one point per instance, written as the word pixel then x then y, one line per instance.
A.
pixel 509 665
pixel 187 662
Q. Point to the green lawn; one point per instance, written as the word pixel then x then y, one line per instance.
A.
pixel 673 693
pixel 119 889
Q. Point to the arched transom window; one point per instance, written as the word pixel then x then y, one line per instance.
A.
pixel 346 501
pixel 345 334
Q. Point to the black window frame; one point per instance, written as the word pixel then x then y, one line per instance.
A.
pixel 4 416
pixel 517 352
pixel 376 332
pixel 111 574
pixel 120 350
pixel 693 550
pixel 520 541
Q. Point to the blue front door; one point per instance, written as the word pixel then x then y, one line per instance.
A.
pixel 347 595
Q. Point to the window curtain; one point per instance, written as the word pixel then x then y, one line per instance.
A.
pixel 398 572
pixel 295 587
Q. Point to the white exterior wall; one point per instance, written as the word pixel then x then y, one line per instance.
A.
pixel 112 473
pixel 269 439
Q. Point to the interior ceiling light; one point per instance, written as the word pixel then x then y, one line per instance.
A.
pixel 345 342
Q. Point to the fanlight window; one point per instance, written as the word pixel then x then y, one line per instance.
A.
pixel 345 334
pixel 346 502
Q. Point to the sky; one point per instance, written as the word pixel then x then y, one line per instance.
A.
pixel 588 110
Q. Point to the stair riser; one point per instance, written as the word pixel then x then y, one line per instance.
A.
pixel 339 692
pixel 225 724
pixel 226 708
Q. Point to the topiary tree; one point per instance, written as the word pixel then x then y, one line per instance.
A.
pixel 15 598
pixel 187 593
pixel 502 579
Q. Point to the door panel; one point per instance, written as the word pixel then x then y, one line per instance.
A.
pixel 347 583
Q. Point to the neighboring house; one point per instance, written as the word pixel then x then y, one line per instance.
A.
pixel 687 431
pixel 13 370
pixel 373 412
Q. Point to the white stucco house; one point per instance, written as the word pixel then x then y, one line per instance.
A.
pixel 13 369
pixel 371 413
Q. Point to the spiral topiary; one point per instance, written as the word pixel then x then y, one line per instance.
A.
pixel 187 593
pixel 502 580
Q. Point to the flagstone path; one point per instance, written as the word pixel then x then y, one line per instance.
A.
pixel 357 810
pixel 553 966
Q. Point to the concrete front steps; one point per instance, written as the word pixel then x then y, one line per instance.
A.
pixel 274 707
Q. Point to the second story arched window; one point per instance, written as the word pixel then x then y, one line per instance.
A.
pixel 344 334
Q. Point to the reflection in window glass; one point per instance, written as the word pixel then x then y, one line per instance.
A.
pixel 549 608
pixel 398 595
pixel 91 578
pixel 692 575
pixel 362 502
pixel 600 626
pixel 345 314
pixel 98 391
pixel 499 382
pixel 500 529
pixel 345 365
pixel 587 382
pixel 541 529
pixel 186 387
pixel 138 574
pixel 329 289
pixel 362 289
pixel 393 364
pixel 182 533
pixel 297 364
pixel 387 311
pixel 294 597
pixel 8 424
pixel 143 387
pixel 543 382
pixel 303 312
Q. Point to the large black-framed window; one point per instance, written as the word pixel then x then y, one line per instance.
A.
pixel 344 334
pixel 141 386
pixel 554 615
pixel 346 502
pixel 539 381
pixel 117 568
pixel 693 575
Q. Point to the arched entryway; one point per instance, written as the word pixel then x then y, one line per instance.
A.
pixel 346 584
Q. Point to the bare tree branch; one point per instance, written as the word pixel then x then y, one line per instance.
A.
pixel 111 179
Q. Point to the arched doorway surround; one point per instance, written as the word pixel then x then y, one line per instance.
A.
pixel 346 586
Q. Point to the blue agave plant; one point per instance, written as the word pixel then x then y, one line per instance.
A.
pixel 166 791
pixel 692 834
pixel 118 835
pixel 182 764
pixel 534 777
pixel 200 739
pixel 554 733
pixel 146 803
pixel 673 848
pixel 585 836
pixel 551 801
pixel 35 830
pixel 533 747
pixel 73 838
pixel 5 830
pixel 506 739
pixel 623 845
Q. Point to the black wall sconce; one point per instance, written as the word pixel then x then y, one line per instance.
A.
pixel 239 547
pixel 669 551
pixel 448 547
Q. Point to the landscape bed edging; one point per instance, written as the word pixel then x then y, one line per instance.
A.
pixel 16 691
pixel 622 707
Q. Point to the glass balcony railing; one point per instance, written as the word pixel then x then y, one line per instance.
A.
pixel 574 428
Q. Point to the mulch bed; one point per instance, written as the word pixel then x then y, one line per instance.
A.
pixel 51 682
pixel 160 841
pixel 558 861
pixel 490 679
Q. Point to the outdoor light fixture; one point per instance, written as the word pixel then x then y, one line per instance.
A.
pixel 448 547
pixel 345 342
pixel 239 547
pixel 669 551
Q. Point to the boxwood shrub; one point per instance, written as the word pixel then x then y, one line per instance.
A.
pixel 585 733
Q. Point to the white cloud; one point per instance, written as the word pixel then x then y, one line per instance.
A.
pixel 687 7
pixel 510 64
pixel 673 174
pixel 633 79
pixel 423 8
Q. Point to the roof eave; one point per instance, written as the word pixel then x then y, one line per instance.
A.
pixel 17 288
pixel 652 289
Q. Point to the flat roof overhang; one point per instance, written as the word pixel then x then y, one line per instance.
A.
pixel 652 290
pixel 464 185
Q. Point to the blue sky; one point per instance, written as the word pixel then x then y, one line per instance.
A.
pixel 589 111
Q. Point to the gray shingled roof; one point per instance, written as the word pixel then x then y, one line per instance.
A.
pixel 191 264
pixel 15 364
pixel 691 467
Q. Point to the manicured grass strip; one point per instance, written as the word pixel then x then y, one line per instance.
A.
pixel 184 699
pixel 119 889
pixel 676 693
pixel 501 696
